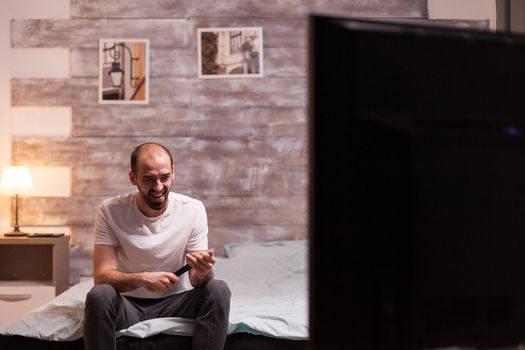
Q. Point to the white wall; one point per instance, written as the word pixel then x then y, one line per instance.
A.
pixel 34 122
pixel 463 9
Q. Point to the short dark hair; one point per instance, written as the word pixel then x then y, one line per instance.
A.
pixel 136 152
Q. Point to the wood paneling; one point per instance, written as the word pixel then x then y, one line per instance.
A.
pixel 283 151
pixel 210 122
pixel 222 210
pixel 372 8
pixel 158 8
pixel 270 92
pixel 207 178
pixel 53 92
pixel 239 145
pixel 87 32
pixel 81 253
pixel 84 92
pixel 149 121
pixel 285 62
pixel 102 151
pixel 245 8
pixel 278 122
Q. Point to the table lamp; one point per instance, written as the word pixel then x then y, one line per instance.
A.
pixel 15 180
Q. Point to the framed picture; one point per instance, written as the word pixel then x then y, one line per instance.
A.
pixel 230 52
pixel 123 71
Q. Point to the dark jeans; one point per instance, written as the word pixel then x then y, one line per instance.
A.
pixel 108 311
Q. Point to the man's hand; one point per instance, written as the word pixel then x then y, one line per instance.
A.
pixel 158 282
pixel 106 272
pixel 201 266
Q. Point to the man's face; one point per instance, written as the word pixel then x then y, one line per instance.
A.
pixel 153 179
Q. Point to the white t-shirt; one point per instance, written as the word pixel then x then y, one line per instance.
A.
pixel 152 244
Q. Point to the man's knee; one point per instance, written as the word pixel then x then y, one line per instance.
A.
pixel 218 290
pixel 101 295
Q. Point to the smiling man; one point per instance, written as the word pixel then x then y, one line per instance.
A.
pixel 142 237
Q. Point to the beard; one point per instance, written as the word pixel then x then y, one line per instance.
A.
pixel 156 201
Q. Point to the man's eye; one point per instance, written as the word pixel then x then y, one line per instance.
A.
pixel 148 179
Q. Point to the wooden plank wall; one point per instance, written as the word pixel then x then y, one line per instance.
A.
pixel 239 145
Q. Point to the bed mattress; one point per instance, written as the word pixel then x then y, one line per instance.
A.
pixel 269 306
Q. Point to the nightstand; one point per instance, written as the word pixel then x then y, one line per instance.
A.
pixel 32 272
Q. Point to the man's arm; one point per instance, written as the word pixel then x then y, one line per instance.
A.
pixel 105 272
pixel 201 263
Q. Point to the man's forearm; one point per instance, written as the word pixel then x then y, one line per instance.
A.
pixel 121 281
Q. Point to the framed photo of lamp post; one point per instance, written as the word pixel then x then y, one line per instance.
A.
pixel 123 76
pixel 230 52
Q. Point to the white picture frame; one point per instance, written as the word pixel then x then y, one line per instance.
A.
pixel 129 59
pixel 235 52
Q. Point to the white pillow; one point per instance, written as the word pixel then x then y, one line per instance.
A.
pixel 60 319
pixel 276 248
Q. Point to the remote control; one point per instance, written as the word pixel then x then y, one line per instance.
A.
pixel 182 270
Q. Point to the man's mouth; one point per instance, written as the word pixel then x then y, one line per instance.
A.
pixel 157 196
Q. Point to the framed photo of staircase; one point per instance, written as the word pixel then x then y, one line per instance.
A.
pixel 230 52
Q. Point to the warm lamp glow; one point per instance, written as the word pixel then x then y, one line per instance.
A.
pixel 15 180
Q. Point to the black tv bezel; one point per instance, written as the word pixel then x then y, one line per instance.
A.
pixel 331 277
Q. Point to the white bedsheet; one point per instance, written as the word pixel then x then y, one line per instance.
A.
pixel 269 297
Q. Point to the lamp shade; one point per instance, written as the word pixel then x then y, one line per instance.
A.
pixel 15 179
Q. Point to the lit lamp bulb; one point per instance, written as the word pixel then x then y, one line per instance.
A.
pixel 15 180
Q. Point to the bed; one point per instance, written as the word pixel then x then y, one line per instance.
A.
pixel 269 308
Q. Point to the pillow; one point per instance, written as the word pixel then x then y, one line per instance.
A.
pixel 60 319
pixel 273 249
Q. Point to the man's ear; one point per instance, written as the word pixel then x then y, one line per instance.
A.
pixel 132 178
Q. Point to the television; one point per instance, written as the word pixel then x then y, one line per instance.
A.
pixel 417 186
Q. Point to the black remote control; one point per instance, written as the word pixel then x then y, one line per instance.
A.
pixel 182 270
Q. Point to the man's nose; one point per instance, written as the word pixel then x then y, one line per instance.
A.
pixel 157 186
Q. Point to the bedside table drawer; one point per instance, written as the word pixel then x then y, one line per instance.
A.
pixel 20 297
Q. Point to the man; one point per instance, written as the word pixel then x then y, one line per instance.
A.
pixel 140 239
